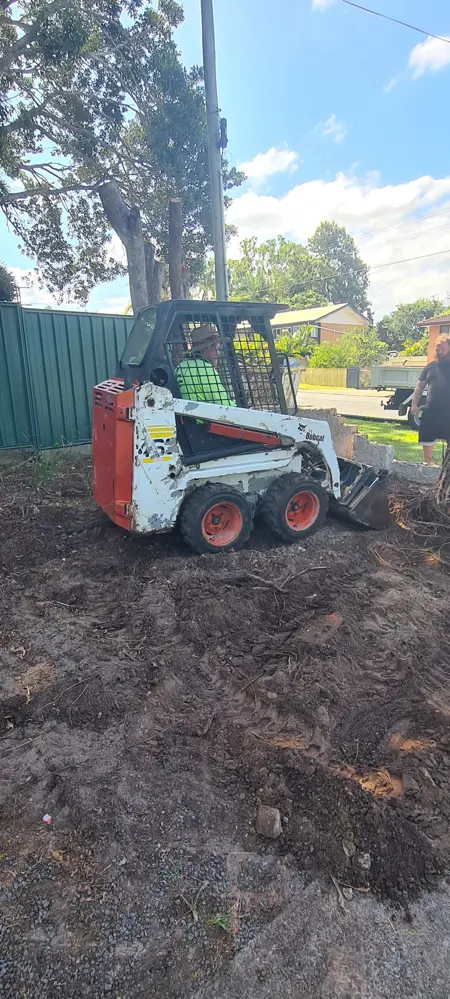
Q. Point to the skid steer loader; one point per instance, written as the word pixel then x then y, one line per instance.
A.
pixel 200 430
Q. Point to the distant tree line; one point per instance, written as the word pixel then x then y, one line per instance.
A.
pixel 327 269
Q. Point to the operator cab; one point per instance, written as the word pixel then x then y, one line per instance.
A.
pixel 249 365
pixel 166 340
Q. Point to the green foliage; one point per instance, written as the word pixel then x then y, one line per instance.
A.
pixel 401 324
pixel 415 348
pixel 224 921
pixel 8 289
pixel 307 300
pixel 327 270
pixel 347 277
pixel 93 92
pixel 296 344
pixel 275 271
pixel 402 438
pixel 356 346
pixel 252 345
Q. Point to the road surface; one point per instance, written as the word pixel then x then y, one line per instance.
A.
pixel 360 402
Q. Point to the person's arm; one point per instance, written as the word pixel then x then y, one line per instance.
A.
pixel 417 395
pixel 419 390
pixel 189 381
pixel 214 389
pixel 220 395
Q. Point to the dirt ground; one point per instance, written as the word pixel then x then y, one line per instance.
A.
pixel 151 699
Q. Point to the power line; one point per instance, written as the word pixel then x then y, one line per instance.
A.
pixel 392 263
pixel 399 225
pixel 406 260
pixel 408 235
pixel 395 20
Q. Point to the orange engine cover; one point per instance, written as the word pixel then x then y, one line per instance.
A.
pixel 112 450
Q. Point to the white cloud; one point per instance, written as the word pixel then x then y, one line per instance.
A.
pixel 364 206
pixel 429 56
pixel 336 129
pixel 115 305
pixel 392 83
pixel 264 165
pixel 30 292
pixel 32 295
pixel 321 4
pixel 116 249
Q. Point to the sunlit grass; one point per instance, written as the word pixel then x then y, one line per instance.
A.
pixel 400 435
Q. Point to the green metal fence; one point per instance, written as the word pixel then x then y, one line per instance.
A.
pixel 49 362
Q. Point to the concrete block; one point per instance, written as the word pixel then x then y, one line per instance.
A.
pixel 424 475
pixel 368 453
pixel 342 433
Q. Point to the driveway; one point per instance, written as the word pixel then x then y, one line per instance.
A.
pixel 348 402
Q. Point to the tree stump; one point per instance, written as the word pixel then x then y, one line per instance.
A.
pixel 443 485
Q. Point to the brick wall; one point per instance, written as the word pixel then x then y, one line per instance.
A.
pixel 331 332
pixel 434 333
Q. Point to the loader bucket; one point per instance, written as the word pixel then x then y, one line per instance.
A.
pixel 363 495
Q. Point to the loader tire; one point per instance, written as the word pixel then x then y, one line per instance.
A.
pixel 414 421
pixel 294 506
pixel 215 518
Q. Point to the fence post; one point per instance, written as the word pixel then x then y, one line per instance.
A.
pixel 29 383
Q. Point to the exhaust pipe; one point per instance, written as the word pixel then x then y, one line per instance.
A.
pixel 364 499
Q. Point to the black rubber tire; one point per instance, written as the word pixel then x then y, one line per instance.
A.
pixel 413 421
pixel 276 500
pixel 196 506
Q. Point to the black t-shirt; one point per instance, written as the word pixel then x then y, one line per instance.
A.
pixel 437 377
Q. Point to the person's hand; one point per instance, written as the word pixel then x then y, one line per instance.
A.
pixel 414 408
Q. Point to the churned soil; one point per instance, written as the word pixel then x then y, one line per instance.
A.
pixel 152 699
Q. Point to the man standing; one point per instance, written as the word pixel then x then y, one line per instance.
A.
pixel 197 375
pixel 435 420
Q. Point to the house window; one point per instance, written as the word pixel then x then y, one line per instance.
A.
pixel 444 329
pixel 315 333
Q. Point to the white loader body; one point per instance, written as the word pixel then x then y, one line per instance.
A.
pixel 161 480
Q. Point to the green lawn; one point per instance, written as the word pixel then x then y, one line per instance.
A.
pixel 400 435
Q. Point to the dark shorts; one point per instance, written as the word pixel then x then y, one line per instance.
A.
pixel 434 426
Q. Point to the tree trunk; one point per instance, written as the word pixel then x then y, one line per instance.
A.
pixel 186 277
pixel 443 485
pixel 145 273
pixel 137 273
pixel 155 274
pixel 149 249
pixel 126 222
pixel 158 277
pixel 175 248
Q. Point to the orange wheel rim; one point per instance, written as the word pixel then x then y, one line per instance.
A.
pixel 222 524
pixel 302 510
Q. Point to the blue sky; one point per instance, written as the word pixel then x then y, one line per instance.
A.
pixel 335 114
pixel 284 67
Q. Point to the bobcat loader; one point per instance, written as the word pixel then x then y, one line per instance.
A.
pixel 183 440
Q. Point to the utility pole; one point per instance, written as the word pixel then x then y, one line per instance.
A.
pixel 214 153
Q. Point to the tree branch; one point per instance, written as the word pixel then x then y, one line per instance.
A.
pixel 44 192
pixel 24 117
pixel 115 208
pixel 20 46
